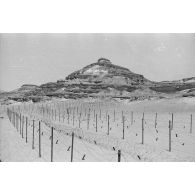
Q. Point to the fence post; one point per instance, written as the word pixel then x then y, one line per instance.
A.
pixel 52 144
pixel 13 122
pixel 170 128
pixel 108 124
pixel 119 155
pixel 172 121
pixel 68 115
pixel 96 122
pixel 39 139
pixel 72 147
pixel 22 126
pixel 80 120
pixel 155 123
pixel 143 130
pixel 20 123
pixel 73 116
pixel 88 121
pixel 132 118
pixel 191 124
pixel 33 136
pixel 17 121
pixel 123 127
pixel 26 129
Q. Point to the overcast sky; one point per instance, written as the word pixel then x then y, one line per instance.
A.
pixel 41 58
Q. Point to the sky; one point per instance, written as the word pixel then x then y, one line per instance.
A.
pixel 41 58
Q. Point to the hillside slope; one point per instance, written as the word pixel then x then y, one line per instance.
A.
pixel 104 79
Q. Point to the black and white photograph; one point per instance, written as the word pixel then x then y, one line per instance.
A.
pixel 97 97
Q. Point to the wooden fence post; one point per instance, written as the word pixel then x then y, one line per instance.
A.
pixel 68 115
pixel 170 128
pixel 22 126
pixel 191 124
pixel 108 123
pixel 52 144
pixel 33 136
pixel 73 116
pixel 88 121
pixel 80 120
pixel 26 129
pixel 13 122
pixel 123 127
pixel 155 123
pixel 20 123
pixel 119 155
pixel 39 139
pixel 96 122
pixel 17 121
pixel 172 122
pixel 59 115
pixel 143 130
pixel 72 147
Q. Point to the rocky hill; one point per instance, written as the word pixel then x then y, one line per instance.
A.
pixel 104 79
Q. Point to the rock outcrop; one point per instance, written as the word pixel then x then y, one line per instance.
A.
pixel 101 79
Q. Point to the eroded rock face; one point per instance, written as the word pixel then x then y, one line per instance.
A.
pixel 101 79
pixel 103 71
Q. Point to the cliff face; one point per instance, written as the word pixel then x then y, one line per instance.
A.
pixel 101 79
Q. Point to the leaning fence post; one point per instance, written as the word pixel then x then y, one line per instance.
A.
pixel 72 146
pixel 33 136
pixel 39 139
pixel 170 128
pixel 119 155
pixel 191 124
pixel 52 144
